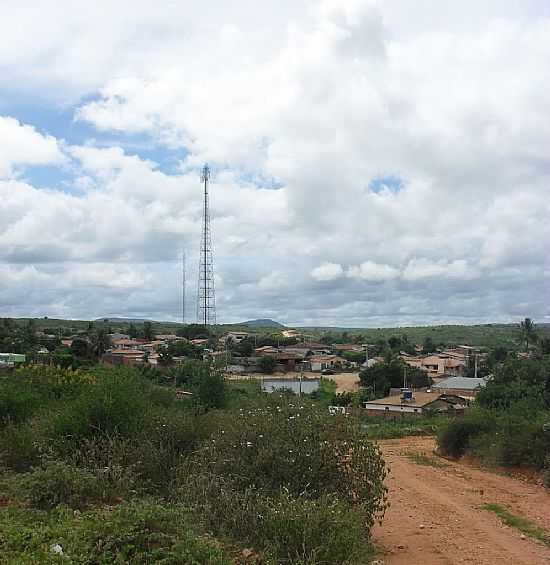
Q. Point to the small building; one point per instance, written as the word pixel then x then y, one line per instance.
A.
pixel 291 333
pixel 167 337
pixel 11 359
pixel 266 350
pixel 322 362
pixel 354 347
pixel 126 343
pixel 410 403
pixel 117 335
pixel 466 387
pixel 123 357
pixel 236 337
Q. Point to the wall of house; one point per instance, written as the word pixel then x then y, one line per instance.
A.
pixel 393 414
pixel 394 409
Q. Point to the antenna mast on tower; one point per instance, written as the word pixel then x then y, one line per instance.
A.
pixel 206 296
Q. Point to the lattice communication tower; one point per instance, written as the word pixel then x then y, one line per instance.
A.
pixel 206 297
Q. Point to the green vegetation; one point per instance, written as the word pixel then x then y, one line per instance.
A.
pixel 486 335
pixel 510 423
pixel 524 526
pixel 141 531
pixel 393 373
pixel 386 429
pixel 268 364
pixel 107 466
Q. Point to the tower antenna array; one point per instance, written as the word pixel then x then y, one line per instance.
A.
pixel 206 297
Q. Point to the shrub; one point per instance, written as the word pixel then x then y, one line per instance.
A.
pixel 522 441
pixel 19 449
pixel 546 473
pixel 17 403
pixel 116 405
pixel 137 532
pixel 455 438
pixel 289 529
pixel 298 448
pixel 292 481
pixel 58 483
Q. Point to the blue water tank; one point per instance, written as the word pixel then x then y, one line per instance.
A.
pixel 406 394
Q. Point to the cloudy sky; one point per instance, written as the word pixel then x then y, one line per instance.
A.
pixel 374 163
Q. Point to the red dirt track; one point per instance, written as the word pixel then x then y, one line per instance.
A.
pixel 436 517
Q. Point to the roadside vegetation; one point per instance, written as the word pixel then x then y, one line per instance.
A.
pixel 510 423
pixel 426 460
pixel 107 466
pixel 525 526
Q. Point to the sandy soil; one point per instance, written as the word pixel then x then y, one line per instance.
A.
pixel 436 517
pixel 345 382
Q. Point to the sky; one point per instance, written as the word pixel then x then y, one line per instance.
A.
pixel 373 163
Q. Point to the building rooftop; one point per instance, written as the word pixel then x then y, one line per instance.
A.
pixel 419 400
pixel 461 383
pixel 321 358
pixel 136 352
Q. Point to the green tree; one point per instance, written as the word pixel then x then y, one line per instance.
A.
pixel 181 348
pixel 29 334
pixel 354 356
pixel 193 331
pixel 148 332
pixel 395 342
pixel 528 332
pixel 245 348
pixel 545 346
pixel 100 342
pixel 429 346
pixel 516 381
pixel 375 381
pixel 267 364
pixel 391 374
pixel 80 347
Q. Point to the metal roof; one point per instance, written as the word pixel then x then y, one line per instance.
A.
pixel 462 383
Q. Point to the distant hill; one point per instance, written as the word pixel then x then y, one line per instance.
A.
pixel 262 323
pixel 122 320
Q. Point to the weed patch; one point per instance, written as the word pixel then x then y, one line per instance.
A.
pixel 426 460
pixel 524 526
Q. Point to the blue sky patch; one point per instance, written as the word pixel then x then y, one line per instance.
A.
pixel 391 183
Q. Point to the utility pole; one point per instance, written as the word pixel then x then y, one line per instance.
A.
pixel 206 296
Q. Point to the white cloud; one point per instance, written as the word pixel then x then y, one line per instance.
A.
pixel 375 272
pixel 327 271
pixel 418 269
pixel 318 99
pixel 23 145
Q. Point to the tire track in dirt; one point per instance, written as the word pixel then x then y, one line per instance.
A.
pixel 436 517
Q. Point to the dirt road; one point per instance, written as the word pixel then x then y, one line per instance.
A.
pixel 436 517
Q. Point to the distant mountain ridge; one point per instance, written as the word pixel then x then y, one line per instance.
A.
pixel 262 323
pixel 122 320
